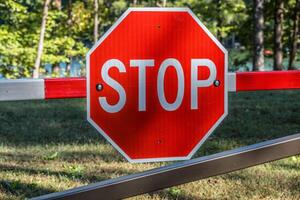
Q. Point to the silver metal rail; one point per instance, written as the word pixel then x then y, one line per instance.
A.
pixel 184 172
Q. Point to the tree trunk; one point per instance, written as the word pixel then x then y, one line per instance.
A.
pixel 96 22
pixel 278 18
pixel 135 2
pixel 164 3
pixel 70 33
pixel 258 47
pixel 219 21
pixel 69 10
pixel 57 4
pixel 41 42
pixel 293 45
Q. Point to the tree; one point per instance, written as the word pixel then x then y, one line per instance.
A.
pixel 278 19
pixel 164 3
pixel 20 26
pixel 96 22
pixel 294 38
pixel 41 41
pixel 222 18
pixel 18 37
pixel 219 20
pixel 67 32
pixel 73 26
pixel 258 45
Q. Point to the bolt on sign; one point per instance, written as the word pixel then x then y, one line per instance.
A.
pixel 156 84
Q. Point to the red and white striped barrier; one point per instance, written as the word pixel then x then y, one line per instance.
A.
pixel 54 88
pixel 49 88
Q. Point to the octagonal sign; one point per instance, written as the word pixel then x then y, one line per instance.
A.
pixel 156 84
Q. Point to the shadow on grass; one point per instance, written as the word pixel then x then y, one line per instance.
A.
pixel 106 156
pixel 65 156
pixel 71 174
pixel 253 117
pixel 29 190
pixel 173 193
pixel 20 190
pixel 17 156
pixel 30 123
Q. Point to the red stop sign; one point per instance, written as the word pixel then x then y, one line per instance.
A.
pixel 156 84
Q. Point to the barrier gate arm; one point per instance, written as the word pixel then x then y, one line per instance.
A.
pixel 55 88
pixel 184 172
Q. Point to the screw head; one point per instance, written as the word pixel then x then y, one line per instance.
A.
pixel 217 83
pixel 99 87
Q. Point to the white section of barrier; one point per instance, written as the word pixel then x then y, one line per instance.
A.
pixel 231 77
pixel 22 89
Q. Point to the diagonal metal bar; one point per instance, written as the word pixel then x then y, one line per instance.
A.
pixel 184 172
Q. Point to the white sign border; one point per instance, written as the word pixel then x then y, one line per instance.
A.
pixel 102 132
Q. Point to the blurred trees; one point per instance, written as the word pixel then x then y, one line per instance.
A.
pixel 294 30
pixel 72 27
pixel 41 41
pixel 18 37
pixel 278 32
pixel 222 18
pixel 258 45
pixel 20 27
pixel 96 23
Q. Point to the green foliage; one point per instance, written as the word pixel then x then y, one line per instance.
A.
pixel 19 36
pixel 51 156
pixel 63 38
pixel 119 7
pixel 237 58
pixel 69 29
pixel 76 171
pixel 18 39
pixel 175 192
pixel 223 17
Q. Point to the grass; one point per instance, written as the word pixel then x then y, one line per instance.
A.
pixel 47 146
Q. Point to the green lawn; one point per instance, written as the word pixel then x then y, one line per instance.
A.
pixel 47 146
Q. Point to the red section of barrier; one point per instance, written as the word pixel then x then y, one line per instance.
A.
pixel 56 88
pixel 273 80
pixel 245 81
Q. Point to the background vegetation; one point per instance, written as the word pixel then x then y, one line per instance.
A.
pixel 72 26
